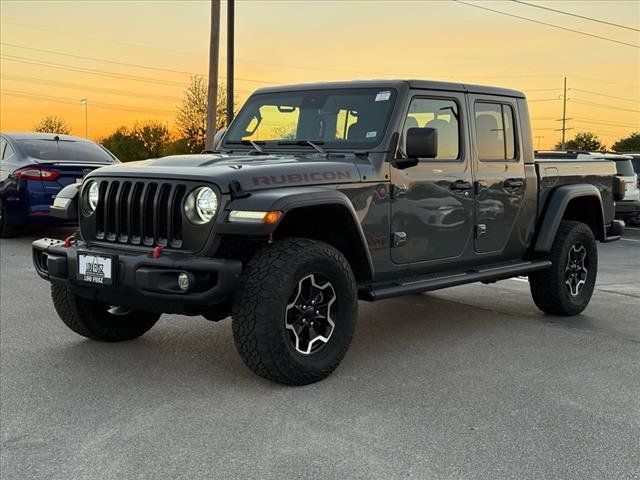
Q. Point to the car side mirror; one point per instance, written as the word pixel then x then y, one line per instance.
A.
pixel 422 143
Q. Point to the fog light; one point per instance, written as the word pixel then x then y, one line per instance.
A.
pixel 184 282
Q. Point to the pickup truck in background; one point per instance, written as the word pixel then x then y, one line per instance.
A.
pixel 320 195
pixel 626 184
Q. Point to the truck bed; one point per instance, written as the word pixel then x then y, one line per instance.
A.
pixel 598 172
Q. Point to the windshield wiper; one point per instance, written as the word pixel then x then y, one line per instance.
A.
pixel 259 150
pixel 315 145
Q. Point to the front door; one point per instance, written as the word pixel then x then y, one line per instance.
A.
pixel 432 205
pixel 500 177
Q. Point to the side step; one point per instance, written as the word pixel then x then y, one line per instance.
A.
pixel 443 280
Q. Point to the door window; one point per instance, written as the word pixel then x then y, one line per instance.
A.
pixel 495 131
pixel 440 114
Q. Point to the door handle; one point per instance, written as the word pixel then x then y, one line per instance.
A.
pixel 513 182
pixel 461 185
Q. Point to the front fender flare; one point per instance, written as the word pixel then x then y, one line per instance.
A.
pixel 286 200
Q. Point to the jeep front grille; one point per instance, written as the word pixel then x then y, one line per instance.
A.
pixel 138 212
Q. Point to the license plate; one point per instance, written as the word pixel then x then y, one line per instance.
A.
pixel 95 268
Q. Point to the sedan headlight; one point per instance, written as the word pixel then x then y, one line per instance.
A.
pixel 201 205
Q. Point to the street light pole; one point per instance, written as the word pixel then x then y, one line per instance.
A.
pixel 84 102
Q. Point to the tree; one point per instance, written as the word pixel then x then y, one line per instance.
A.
pixel 154 136
pixel 125 145
pixel 52 124
pixel 191 117
pixel 583 141
pixel 628 144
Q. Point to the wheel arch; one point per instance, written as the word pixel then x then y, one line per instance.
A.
pixel 581 202
pixel 319 213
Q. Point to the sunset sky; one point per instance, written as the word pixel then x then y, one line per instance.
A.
pixel 55 53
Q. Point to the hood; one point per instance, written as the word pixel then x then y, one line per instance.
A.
pixel 253 172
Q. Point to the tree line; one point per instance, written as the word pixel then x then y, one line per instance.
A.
pixel 152 139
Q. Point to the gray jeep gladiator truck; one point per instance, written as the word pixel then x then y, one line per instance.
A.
pixel 320 195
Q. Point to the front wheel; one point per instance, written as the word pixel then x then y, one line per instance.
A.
pixel 99 321
pixel 294 313
pixel 566 288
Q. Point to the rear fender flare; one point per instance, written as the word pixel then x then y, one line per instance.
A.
pixel 555 209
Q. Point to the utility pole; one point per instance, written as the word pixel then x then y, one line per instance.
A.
pixel 84 103
pixel 230 50
pixel 538 137
pixel 212 94
pixel 564 112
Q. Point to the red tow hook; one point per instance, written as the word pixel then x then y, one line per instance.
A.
pixel 157 251
pixel 69 240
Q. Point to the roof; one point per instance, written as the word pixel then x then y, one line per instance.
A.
pixel 419 84
pixel 42 136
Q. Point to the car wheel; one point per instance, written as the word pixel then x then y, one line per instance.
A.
pixel 99 321
pixel 6 231
pixel 566 288
pixel 295 311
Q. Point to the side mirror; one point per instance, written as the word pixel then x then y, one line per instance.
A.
pixel 422 143
pixel 65 203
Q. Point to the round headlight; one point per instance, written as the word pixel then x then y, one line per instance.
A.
pixel 92 196
pixel 201 205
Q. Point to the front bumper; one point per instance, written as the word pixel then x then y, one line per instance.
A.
pixel 141 281
pixel 627 208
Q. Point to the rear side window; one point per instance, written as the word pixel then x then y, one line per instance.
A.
pixel 65 150
pixel 495 131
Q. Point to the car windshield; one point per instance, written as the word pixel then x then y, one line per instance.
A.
pixel 65 150
pixel 343 119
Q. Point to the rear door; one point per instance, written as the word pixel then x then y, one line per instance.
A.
pixel 432 205
pixel 500 181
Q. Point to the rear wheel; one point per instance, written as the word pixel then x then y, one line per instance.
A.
pixel 6 230
pixel 99 321
pixel 294 313
pixel 566 288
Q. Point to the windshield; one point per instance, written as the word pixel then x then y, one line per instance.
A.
pixel 65 150
pixel 336 119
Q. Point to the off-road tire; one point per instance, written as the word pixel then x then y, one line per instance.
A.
pixel 93 320
pixel 548 287
pixel 6 230
pixel 260 306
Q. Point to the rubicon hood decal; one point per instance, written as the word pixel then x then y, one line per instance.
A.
pixel 295 178
pixel 251 172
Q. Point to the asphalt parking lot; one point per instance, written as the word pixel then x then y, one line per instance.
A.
pixel 467 383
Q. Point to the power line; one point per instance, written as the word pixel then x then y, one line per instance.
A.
pixel 68 100
pixel 101 60
pixel 602 105
pixel 89 71
pixel 113 91
pixel 599 130
pixel 102 73
pixel 76 86
pixel 113 62
pixel 605 123
pixel 544 100
pixel 576 15
pixel 548 24
pixel 626 99
pixel 599 80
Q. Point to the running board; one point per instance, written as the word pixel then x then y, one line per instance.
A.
pixel 443 280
